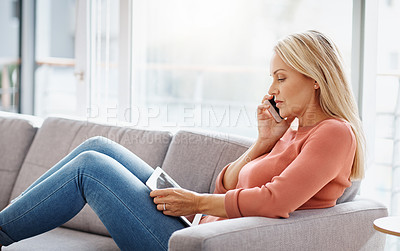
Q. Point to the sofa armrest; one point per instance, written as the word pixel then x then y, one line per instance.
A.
pixel 346 226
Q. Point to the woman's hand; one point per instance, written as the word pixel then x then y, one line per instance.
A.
pixel 270 131
pixel 178 202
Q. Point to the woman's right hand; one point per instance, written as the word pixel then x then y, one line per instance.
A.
pixel 270 131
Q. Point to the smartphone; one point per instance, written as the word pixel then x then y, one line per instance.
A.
pixel 273 110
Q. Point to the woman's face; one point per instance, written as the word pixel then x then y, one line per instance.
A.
pixel 295 93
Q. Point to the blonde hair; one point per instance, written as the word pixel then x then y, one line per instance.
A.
pixel 316 56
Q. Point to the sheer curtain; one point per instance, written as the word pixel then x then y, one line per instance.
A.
pixel 103 59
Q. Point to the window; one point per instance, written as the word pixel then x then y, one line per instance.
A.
pixel 205 64
pixel 383 103
pixel 198 64
pixel 77 58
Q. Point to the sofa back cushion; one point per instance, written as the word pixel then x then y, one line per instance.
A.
pixel 16 136
pixel 57 137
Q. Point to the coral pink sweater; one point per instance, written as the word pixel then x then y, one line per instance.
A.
pixel 308 168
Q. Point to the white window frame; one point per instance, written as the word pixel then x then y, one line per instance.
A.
pixel 125 62
pixel 367 71
pixel 27 90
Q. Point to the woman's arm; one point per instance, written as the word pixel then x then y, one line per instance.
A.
pixel 180 202
pixel 212 204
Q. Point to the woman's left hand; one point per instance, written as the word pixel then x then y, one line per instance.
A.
pixel 177 201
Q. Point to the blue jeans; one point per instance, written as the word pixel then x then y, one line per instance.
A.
pixel 108 177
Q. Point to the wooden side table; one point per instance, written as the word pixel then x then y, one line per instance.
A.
pixel 388 225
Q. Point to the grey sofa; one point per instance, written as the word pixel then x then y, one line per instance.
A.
pixel 30 146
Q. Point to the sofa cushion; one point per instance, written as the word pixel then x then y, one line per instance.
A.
pixel 64 239
pixel 195 158
pixel 16 136
pixel 57 137
pixel 350 192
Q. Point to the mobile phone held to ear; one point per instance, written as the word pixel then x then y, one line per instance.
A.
pixel 273 110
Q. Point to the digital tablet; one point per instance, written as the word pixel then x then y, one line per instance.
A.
pixel 161 180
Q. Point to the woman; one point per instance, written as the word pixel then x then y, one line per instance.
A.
pixel 284 170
